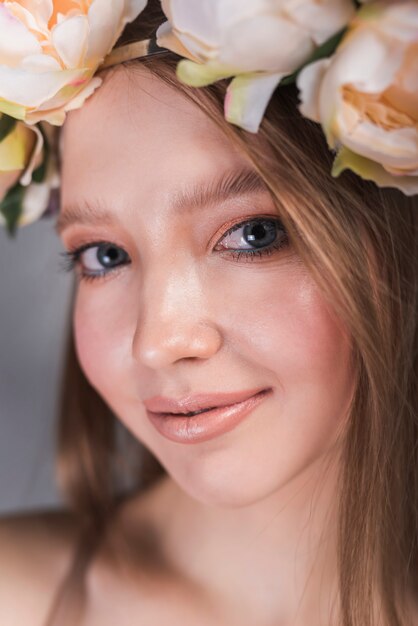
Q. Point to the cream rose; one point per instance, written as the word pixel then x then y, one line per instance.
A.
pixel 366 96
pixel 257 41
pixel 50 49
pixel 23 156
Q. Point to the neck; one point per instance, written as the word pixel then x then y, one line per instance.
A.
pixel 271 561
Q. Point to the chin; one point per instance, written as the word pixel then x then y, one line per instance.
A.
pixel 225 485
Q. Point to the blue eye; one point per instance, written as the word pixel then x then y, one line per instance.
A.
pixel 96 259
pixel 254 237
pixel 104 255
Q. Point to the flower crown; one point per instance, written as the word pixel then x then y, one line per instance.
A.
pixel 355 65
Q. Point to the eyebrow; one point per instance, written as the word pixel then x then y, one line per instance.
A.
pixel 232 183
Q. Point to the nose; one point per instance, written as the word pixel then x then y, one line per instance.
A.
pixel 172 323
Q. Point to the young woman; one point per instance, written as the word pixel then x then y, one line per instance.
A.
pixel 251 322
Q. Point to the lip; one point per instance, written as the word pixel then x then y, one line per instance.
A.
pixel 197 402
pixel 207 425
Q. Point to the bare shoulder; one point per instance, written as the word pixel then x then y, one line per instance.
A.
pixel 36 550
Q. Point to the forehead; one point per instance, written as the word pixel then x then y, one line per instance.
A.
pixel 138 134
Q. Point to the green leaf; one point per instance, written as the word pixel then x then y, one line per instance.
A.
pixel 38 175
pixel 11 207
pixel 7 124
pixel 327 48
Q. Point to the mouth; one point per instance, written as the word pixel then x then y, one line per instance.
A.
pixel 203 424
pixel 195 404
pixel 191 413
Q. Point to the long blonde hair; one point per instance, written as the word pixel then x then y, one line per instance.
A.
pixel 361 245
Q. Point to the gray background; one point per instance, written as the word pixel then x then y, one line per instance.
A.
pixel 35 300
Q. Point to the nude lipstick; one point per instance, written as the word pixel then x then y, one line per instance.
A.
pixel 202 417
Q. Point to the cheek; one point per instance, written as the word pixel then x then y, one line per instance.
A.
pixel 282 320
pixel 101 334
pixel 285 329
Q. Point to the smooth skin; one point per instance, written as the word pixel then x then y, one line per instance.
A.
pixel 243 528
pixel 183 318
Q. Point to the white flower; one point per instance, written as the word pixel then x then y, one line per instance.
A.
pixel 257 41
pixel 50 50
pixel 366 96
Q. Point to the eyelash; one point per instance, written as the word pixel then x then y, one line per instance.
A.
pixel 72 257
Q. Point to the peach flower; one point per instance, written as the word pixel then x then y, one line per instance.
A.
pixel 50 49
pixel 366 95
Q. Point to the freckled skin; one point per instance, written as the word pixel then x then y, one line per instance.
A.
pixel 182 318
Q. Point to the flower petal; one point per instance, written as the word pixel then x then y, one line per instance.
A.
pixel 31 90
pixel 35 158
pixel 62 104
pixel 321 19
pixel 80 98
pixel 202 21
pixel 370 170
pixel 70 39
pixel 42 10
pixel 104 19
pixel 107 20
pixel 309 82
pixel 247 98
pixel 210 19
pixel 33 22
pixel 396 148
pixel 384 59
pixel 166 38
pixel 35 202
pixel 258 44
pixel 133 8
pixel 198 75
pixel 395 20
pixel 40 63
pixel 16 42
pixel 37 195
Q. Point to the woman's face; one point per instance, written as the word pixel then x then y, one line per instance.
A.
pixel 174 303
